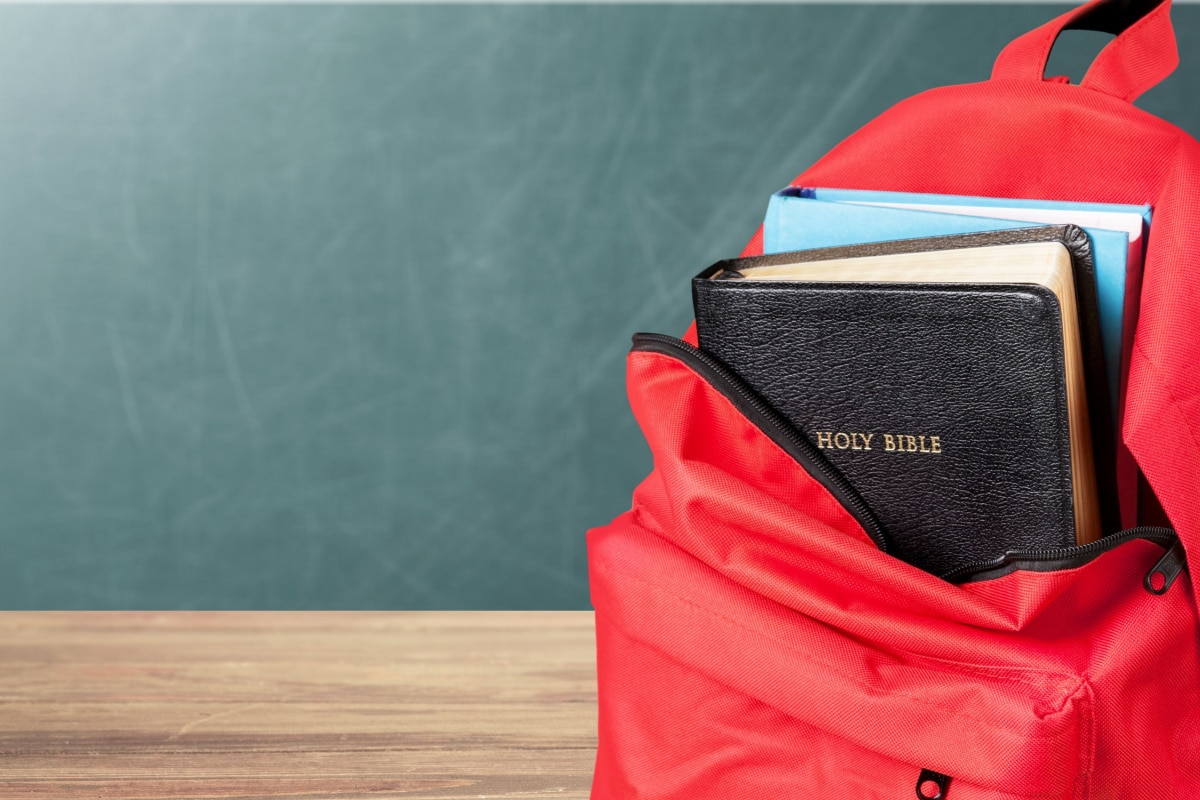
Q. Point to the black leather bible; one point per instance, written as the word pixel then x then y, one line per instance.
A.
pixel 956 387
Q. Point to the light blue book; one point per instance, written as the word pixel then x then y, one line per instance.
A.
pixel 1111 216
pixel 799 219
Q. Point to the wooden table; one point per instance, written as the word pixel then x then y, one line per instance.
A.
pixel 297 704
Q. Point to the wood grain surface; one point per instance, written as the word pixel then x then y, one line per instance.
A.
pixel 297 704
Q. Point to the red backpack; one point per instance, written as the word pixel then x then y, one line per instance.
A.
pixel 753 643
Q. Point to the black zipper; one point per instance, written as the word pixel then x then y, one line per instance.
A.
pixel 1061 558
pixel 769 421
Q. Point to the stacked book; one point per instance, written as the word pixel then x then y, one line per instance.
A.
pixel 958 360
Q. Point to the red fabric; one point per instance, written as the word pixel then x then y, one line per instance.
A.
pixel 752 641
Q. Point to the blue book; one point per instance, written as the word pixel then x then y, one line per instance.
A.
pixel 799 219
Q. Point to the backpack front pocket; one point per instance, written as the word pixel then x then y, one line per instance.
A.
pixel 709 690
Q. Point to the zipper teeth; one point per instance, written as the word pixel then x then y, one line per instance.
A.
pixel 815 462
pixel 1102 545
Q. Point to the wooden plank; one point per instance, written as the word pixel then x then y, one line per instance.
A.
pixel 297 705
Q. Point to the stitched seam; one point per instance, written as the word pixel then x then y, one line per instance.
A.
pixel 1116 51
pixel 1144 21
pixel 995 673
pixel 1087 739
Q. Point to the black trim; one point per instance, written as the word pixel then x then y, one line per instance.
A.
pixel 1061 558
pixel 942 782
pixel 768 420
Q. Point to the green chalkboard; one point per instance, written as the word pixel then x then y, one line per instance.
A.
pixel 327 306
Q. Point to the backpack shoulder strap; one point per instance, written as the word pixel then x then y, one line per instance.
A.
pixel 1143 53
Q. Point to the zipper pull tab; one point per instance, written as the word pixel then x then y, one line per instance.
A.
pixel 1163 574
pixel 932 785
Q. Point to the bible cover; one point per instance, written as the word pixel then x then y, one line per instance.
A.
pixel 942 404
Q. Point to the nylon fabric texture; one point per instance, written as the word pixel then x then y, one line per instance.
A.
pixel 752 639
